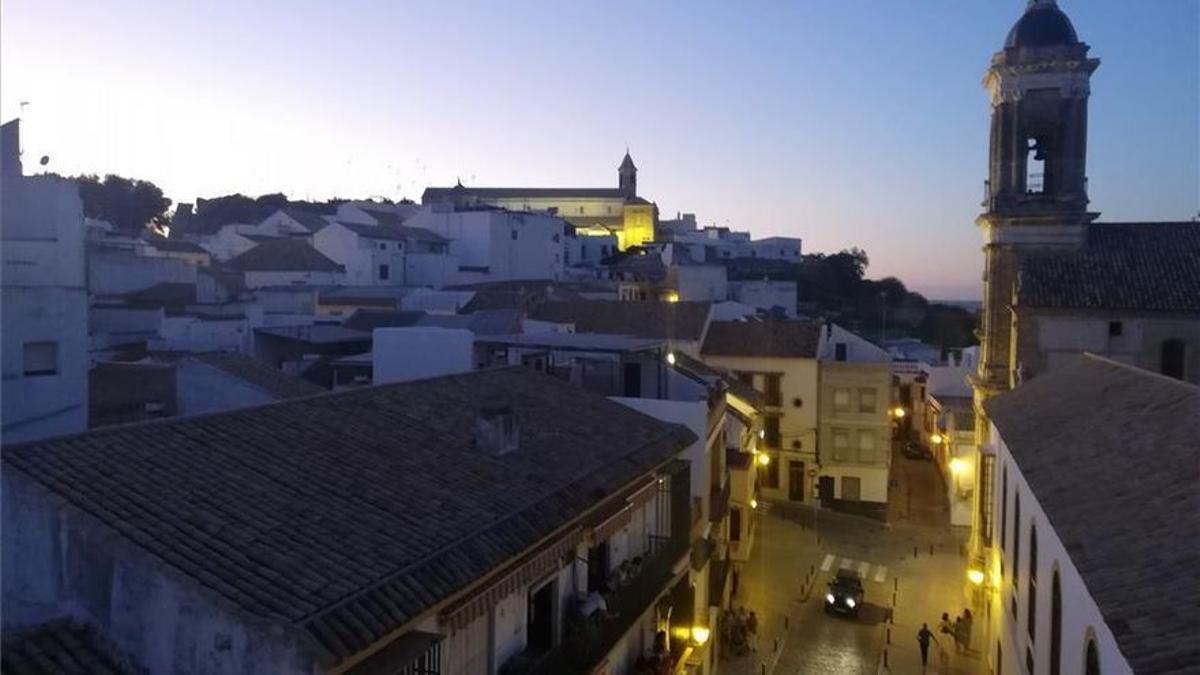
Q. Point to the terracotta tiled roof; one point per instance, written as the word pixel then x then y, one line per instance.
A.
pixel 662 320
pixel 62 647
pixel 1111 452
pixel 394 232
pixel 348 515
pixel 782 339
pixel 284 255
pixel 261 375
pixel 1152 267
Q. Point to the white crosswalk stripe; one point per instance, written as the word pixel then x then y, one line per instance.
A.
pixel 867 570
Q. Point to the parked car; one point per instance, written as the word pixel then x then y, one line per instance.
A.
pixel 915 451
pixel 845 595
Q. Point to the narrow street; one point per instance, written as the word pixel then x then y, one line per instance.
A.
pixel 911 566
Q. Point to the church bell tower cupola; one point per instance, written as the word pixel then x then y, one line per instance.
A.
pixel 627 177
pixel 1039 85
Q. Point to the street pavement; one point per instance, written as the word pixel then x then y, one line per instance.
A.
pixel 912 567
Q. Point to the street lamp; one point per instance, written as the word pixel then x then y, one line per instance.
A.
pixel 936 438
pixel 700 634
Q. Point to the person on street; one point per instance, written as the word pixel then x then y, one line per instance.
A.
pixel 960 632
pixel 923 638
pixel 968 622
pixel 752 627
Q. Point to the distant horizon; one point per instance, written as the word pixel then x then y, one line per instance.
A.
pixel 849 124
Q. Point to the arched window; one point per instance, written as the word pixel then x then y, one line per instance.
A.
pixel 1031 586
pixel 1055 625
pixel 1091 659
pixel 1173 352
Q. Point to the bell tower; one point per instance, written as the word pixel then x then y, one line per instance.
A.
pixel 627 177
pixel 1036 191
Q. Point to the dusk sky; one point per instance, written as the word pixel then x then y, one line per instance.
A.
pixel 848 123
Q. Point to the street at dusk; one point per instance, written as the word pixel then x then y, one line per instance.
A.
pixel 623 338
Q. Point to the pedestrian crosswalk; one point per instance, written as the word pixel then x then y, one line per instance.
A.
pixel 863 567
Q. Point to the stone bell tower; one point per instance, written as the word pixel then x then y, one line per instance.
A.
pixel 1036 192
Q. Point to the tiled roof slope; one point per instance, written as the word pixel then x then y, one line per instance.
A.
pixel 249 369
pixel 1126 266
pixel 313 222
pixel 660 320
pixel 393 232
pixel 780 339
pixel 62 647
pixel 284 255
pixel 349 514
pixel 1111 454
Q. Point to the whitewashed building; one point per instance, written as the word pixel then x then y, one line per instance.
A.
pixel 1092 514
pixel 545 530
pixel 493 244
pixel 287 262
pixel 387 255
pixel 45 343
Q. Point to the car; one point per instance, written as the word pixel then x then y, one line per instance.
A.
pixel 915 451
pixel 845 594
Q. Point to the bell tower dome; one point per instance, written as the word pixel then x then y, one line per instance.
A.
pixel 1039 85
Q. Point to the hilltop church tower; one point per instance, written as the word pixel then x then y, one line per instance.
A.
pixel 627 177
pixel 1036 192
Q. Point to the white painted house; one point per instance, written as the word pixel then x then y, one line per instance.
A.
pixel 1091 517
pixel 45 339
pixel 387 255
pixel 287 262
pixel 493 244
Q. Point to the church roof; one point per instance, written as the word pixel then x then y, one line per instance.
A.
pixel 627 163
pixel 1102 445
pixel 1146 267
pixel 1042 25
pixel 436 194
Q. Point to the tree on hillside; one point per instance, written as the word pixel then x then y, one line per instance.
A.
pixel 129 204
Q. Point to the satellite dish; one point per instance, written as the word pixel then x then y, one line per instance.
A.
pixel 44 160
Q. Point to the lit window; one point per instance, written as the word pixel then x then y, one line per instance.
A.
pixel 866 445
pixel 41 358
pixel 866 400
pixel 841 399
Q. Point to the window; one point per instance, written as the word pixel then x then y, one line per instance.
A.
pixel 1032 583
pixel 1035 167
pixel 866 445
pixel 735 524
pixel 41 358
pixel 988 489
pixel 1091 659
pixel 841 444
pixel 383 272
pixel 383 247
pixel 1115 328
pixel 1003 514
pixel 1173 358
pixel 841 399
pixel 1055 625
pixel 771 389
pixel 514 235
pixel 839 351
pixel 866 400
pixel 771 430
pixel 745 378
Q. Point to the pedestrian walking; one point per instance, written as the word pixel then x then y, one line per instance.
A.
pixel 923 638
pixel 968 623
pixel 959 634
pixel 752 626
pixel 944 626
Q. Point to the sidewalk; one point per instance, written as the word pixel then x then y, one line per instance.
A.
pixel 769 584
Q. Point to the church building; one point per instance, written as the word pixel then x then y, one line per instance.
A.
pixel 1059 282
pixel 592 211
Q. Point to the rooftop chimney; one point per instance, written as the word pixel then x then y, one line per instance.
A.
pixel 496 428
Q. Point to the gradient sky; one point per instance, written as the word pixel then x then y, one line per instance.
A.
pixel 845 123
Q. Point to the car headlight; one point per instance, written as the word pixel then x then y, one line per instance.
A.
pixel 850 603
pixel 829 598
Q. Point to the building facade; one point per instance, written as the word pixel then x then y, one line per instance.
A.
pixel 45 303
pixel 592 211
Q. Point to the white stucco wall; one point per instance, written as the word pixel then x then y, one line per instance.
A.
pixel 44 300
pixel 418 352
pixel 765 294
pixel 1080 614
pixel 299 278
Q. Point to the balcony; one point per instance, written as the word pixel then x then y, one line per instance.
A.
pixel 588 640
pixel 718 505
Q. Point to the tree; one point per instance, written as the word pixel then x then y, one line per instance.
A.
pixel 129 204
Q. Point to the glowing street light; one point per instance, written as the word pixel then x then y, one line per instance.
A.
pixel 764 459
pixel 753 503
pixel 899 413
pixel 957 466
pixel 975 576
pixel 671 358
pixel 700 634
pixel 936 439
